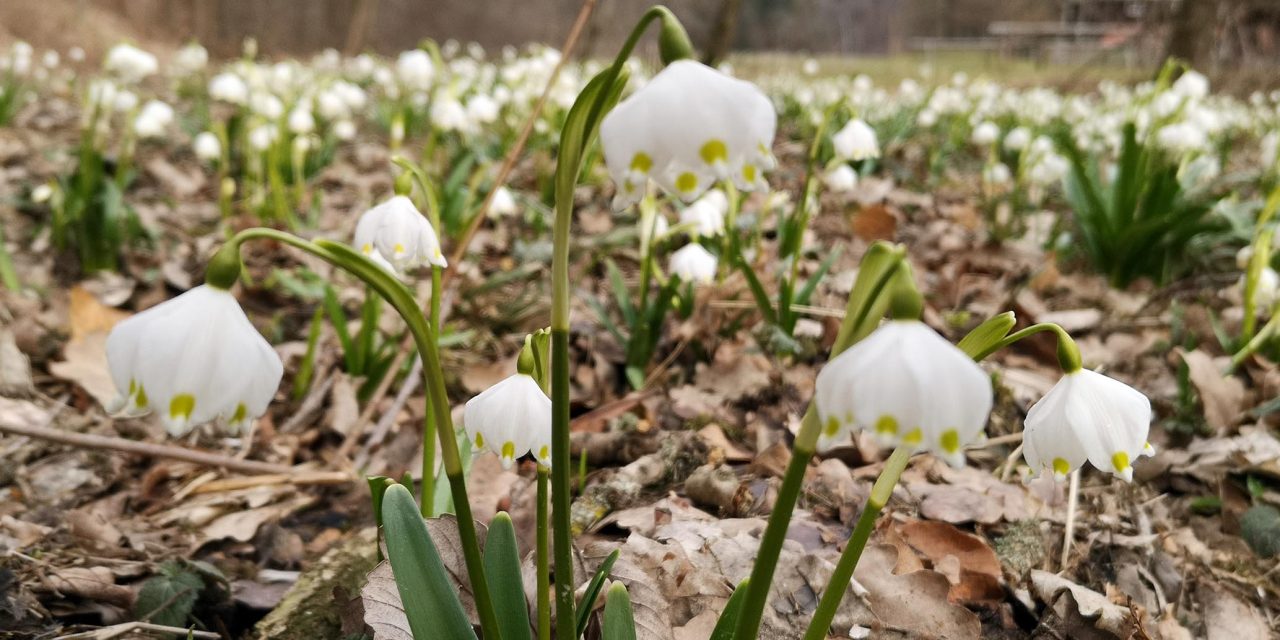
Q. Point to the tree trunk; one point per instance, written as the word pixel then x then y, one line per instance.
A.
pixel 721 39
pixel 1192 34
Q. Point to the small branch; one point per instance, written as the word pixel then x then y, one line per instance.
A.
pixel 295 478
pixel 146 449
pixel 106 633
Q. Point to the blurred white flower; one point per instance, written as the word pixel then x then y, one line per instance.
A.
pixel 688 127
pixel 194 358
pixel 449 115
pixel 344 130
pixel 301 121
pixel 415 69
pixel 511 418
pixel 841 178
pixel 229 87
pixel 1017 139
pixel 856 141
pixel 985 134
pixel 124 101
pixel 504 204
pixel 190 59
pixel 266 105
pixel 908 386
pixel 1087 416
pixel 261 137
pixel 207 146
pixel 706 214
pixel 400 234
pixel 693 263
pixel 810 67
pixel 1181 138
pixel 154 119
pixel 996 174
pixel 129 63
pixel 42 193
pixel 1191 84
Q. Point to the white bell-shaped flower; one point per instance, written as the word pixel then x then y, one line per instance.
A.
pixel 910 387
pixel 511 418
pixel 841 178
pixel 229 87
pixel 706 214
pixel 1087 416
pixel 688 127
pixel 207 146
pixel 129 62
pixel 193 359
pixel 693 263
pixel 154 119
pixel 504 204
pixel 397 232
pixel 985 134
pixel 856 141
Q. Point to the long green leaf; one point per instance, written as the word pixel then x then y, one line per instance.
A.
pixel 426 590
pixel 729 617
pixel 502 567
pixel 593 591
pixel 619 621
pixel 338 318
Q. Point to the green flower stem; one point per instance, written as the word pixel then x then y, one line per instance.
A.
pixel 576 137
pixel 1257 262
pixel 839 583
pixel 1266 333
pixel 402 301
pixel 796 239
pixel 431 422
pixel 802 452
pixel 1068 352
pixel 543 558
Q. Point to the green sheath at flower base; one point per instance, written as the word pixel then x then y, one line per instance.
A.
pixel 224 267
pixel 673 41
pixel 404 184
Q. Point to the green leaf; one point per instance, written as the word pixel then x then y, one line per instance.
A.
pixel 593 591
pixel 338 318
pixel 506 586
pixel 987 335
pixel 729 617
pixel 426 590
pixel 1260 527
pixel 620 292
pixel 442 502
pixel 169 598
pixel 867 302
pixel 302 380
pixel 619 622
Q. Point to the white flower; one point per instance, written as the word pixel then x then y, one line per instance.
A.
pixel 985 134
pixel 228 87
pixel 76 54
pixel 344 130
pixel 154 119
pixel 504 204
pixel 1191 84
pixel 190 59
pixel 482 109
pixel 511 418
pixel 400 234
pixel 207 146
pixel 42 193
pixel 331 106
pixel 693 263
pixel 1017 139
pixel 996 174
pixel 261 137
pixel 266 105
pixel 910 387
pixel 301 121
pixel 194 358
pixel 415 70
pixel 449 115
pixel 688 127
pixel 1268 147
pixel 1087 416
pixel 129 63
pixel 706 214
pixel 1265 293
pixel 927 118
pixel 810 67
pixel 856 141
pixel 841 179
pixel 1181 138
pixel 124 100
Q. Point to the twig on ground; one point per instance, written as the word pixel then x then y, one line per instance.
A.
pixel 106 633
pixel 296 478
pixel 147 449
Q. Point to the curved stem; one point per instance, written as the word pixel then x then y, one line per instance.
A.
pixel 1068 352
pixel 840 578
pixel 402 301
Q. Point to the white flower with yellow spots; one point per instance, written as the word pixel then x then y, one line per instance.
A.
pixel 692 263
pixel 396 232
pixel 511 418
pixel 1087 416
pixel 193 359
pixel 687 128
pixel 910 387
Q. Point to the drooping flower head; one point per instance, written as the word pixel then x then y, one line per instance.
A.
pixel 193 359
pixel 706 214
pixel 856 141
pixel 129 63
pixel 688 127
pixel 1087 416
pixel 693 263
pixel 511 418
pixel 397 232
pixel 910 387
